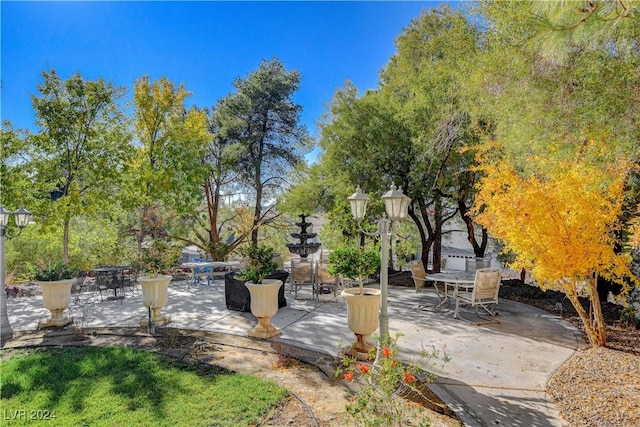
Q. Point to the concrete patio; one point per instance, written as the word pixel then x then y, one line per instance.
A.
pixel 496 374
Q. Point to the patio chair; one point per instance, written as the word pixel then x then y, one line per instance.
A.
pixel 81 283
pixel 324 282
pixel 302 274
pixel 420 282
pixel 130 280
pixel 483 295
pixel 201 273
pixel 324 255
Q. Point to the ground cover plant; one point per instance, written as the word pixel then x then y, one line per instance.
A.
pixel 123 386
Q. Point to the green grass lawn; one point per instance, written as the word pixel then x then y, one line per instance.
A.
pixel 126 387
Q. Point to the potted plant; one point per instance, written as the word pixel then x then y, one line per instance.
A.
pixel 237 296
pixel 155 260
pixel 362 304
pixel 55 281
pixel 262 287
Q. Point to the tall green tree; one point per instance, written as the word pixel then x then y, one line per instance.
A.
pixel 410 130
pixel 532 98
pixel 168 174
pixel 435 53
pixel 218 226
pixel 262 119
pixel 79 152
pixel 15 184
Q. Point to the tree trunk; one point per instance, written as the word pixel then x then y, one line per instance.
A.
pixel 212 194
pixel 437 234
pixel 141 232
pixel 65 240
pixel 425 231
pixel 594 322
pixel 478 249
pixel 256 214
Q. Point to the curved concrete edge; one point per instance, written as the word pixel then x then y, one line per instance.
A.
pixel 460 408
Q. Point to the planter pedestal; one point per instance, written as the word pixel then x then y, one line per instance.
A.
pixel 56 296
pixel 154 296
pixel 363 319
pixel 264 305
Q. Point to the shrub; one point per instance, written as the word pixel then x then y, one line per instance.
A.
pixel 260 263
pixel 378 401
pixel 57 271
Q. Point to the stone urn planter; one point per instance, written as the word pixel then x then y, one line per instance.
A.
pixel 362 318
pixel 56 296
pixel 237 296
pixel 154 296
pixel 264 305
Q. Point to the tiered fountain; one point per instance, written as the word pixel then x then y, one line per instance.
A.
pixel 304 248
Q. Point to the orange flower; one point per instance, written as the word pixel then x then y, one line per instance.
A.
pixel 348 376
pixel 386 351
pixel 408 377
pixel 363 368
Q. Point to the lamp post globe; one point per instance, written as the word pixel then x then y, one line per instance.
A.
pixel 22 216
pixel 358 202
pixel 4 218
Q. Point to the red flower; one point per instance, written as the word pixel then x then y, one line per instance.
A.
pixel 348 376
pixel 363 368
pixel 408 377
pixel 386 351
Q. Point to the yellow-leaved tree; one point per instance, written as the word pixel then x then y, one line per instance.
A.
pixel 558 215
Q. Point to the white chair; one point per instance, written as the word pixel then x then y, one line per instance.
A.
pixel 418 274
pixel 324 281
pixel 484 293
pixel 324 255
pixel 302 274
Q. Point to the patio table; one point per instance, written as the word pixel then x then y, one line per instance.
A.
pixel 196 266
pixel 456 280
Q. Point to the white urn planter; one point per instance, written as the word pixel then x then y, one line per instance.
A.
pixel 264 305
pixel 363 318
pixel 154 296
pixel 56 296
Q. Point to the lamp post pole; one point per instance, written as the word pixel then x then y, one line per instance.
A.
pixel 396 206
pixel 6 331
pixel 22 217
pixel 384 227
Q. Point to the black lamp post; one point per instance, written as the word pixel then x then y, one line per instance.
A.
pixel 22 217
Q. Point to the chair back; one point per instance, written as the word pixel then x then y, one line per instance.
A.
pixel 487 285
pixel 322 275
pixel 301 271
pixel 418 274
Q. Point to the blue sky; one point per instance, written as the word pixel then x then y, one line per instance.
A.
pixel 204 45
